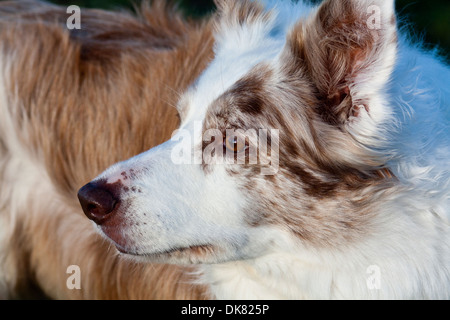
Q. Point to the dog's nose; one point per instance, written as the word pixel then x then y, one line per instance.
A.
pixel 97 201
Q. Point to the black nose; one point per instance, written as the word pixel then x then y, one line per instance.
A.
pixel 97 201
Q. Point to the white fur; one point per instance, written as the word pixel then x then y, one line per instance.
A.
pixel 293 271
pixel 169 200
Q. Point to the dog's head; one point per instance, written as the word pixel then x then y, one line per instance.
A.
pixel 279 141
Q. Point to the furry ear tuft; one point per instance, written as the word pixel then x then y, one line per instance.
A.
pixel 234 13
pixel 241 24
pixel 349 49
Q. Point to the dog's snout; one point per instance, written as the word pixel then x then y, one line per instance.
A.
pixel 97 201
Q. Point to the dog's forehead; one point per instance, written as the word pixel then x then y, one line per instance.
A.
pixel 225 72
pixel 244 100
pixel 238 49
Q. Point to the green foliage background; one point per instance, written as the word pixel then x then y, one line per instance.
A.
pixel 429 19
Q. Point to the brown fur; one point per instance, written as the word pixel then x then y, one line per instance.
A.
pixel 90 98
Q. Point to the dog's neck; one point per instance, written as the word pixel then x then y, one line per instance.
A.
pixel 369 269
pixel 262 278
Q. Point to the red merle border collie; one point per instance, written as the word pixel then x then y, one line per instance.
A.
pixel 311 159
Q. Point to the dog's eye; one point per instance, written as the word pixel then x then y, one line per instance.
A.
pixel 235 145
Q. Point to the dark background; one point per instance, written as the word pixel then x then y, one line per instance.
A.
pixel 429 19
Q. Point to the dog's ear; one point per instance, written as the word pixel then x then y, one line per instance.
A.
pixel 348 49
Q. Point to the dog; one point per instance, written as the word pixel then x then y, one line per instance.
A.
pixel 310 161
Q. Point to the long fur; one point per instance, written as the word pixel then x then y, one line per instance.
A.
pixel 69 108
